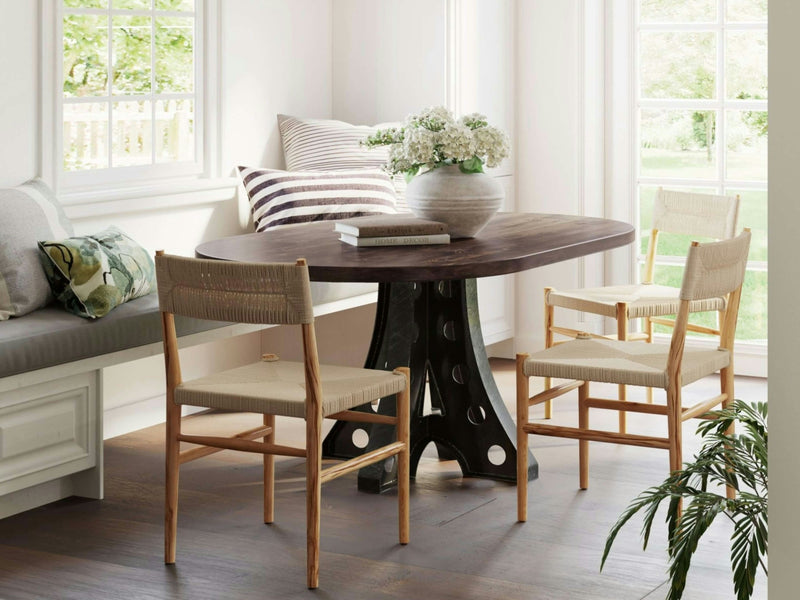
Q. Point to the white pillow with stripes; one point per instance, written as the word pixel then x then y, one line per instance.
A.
pixel 30 213
pixel 329 145
pixel 281 198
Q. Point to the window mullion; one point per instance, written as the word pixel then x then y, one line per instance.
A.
pixel 722 141
pixel 109 90
pixel 152 83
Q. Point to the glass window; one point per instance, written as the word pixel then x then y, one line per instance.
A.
pixel 129 81
pixel 702 125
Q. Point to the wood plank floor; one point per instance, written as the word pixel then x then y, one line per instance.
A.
pixel 465 541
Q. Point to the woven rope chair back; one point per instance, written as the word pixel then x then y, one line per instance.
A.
pixel 716 268
pixel 696 215
pixel 220 290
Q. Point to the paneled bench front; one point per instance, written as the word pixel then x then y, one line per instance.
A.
pixel 51 423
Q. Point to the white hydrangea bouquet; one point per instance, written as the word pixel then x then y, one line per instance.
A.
pixel 434 138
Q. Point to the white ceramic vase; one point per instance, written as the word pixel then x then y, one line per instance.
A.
pixel 465 201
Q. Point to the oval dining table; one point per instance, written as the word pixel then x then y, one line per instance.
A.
pixel 427 319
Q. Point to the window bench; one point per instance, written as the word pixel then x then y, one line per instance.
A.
pixel 51 404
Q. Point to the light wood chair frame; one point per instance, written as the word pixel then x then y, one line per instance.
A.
pixel 246 441
pixel 674 411
pixel 623 320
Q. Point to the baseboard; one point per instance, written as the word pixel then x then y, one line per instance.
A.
pixel 504 349
pixel 43 493
pixel 138 415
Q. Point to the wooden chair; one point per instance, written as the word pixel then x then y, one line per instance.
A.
pixel 695 215
pixel 269 294
pixel 712 270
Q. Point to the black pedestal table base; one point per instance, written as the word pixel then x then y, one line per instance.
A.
pixel 433 327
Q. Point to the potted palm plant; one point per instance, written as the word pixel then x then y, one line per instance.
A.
pixel 739 461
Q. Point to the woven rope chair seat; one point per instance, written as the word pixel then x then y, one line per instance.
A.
pixel 612 361
pixel 278 388
pixel 644 300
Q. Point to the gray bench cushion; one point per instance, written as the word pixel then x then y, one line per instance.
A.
pixel 51 336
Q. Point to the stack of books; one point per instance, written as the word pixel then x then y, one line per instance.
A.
pixel 391 230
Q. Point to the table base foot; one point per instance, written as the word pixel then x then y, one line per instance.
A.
pixel 434 328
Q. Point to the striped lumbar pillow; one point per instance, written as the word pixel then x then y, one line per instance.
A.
pixel 30 212
pixel 279 198
pixel 328 145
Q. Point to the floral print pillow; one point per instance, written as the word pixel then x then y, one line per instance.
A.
pixel 91 275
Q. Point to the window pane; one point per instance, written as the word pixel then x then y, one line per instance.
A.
pixel 746 64
pixel 746 147
pixel 86 3
pixel 678 143
pixel 747 10
pixel 646 196
pixel 85 136
pixel 181 5
pixel 678 65
pixel 174 130
pixel 174 54
pixel 131 55
pixel 131 4
pixel 85 55
pixel 132 133
pixel 677 11
pixel 753 214
pixel 753 309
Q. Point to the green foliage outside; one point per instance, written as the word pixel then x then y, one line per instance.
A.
pixel 86 40
pixel 151 54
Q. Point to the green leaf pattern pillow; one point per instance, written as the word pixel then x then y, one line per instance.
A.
pixel 90 275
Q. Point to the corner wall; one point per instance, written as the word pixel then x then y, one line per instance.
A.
pixel 784 287
pixel 560 137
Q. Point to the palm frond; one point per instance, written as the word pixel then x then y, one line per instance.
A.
pixel 738 460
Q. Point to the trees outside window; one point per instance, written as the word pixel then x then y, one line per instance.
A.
pixel 129 81
pixel 701 118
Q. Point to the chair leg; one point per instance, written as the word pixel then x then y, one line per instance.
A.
pixel 648 328
pixel 523 394
pixel 313 496
pixel 674 428
pixel 726 387
pixel 171 485
pixel 404 458
pixel 269 472
pixel 583 445
pixel 548 343
pixel 622 334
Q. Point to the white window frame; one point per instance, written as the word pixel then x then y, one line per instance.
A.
pixel 623 144
pixel 118 184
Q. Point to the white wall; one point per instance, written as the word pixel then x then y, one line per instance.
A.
pixel 276 59
pixel 559 161
pixel 18 94
pixel 388 62
pixel 784 275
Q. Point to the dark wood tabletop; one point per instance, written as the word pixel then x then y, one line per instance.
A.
pixel 511 242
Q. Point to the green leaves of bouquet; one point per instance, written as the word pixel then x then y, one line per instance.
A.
pixel 434 138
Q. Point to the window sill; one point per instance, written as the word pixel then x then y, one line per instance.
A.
pixel 155 196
